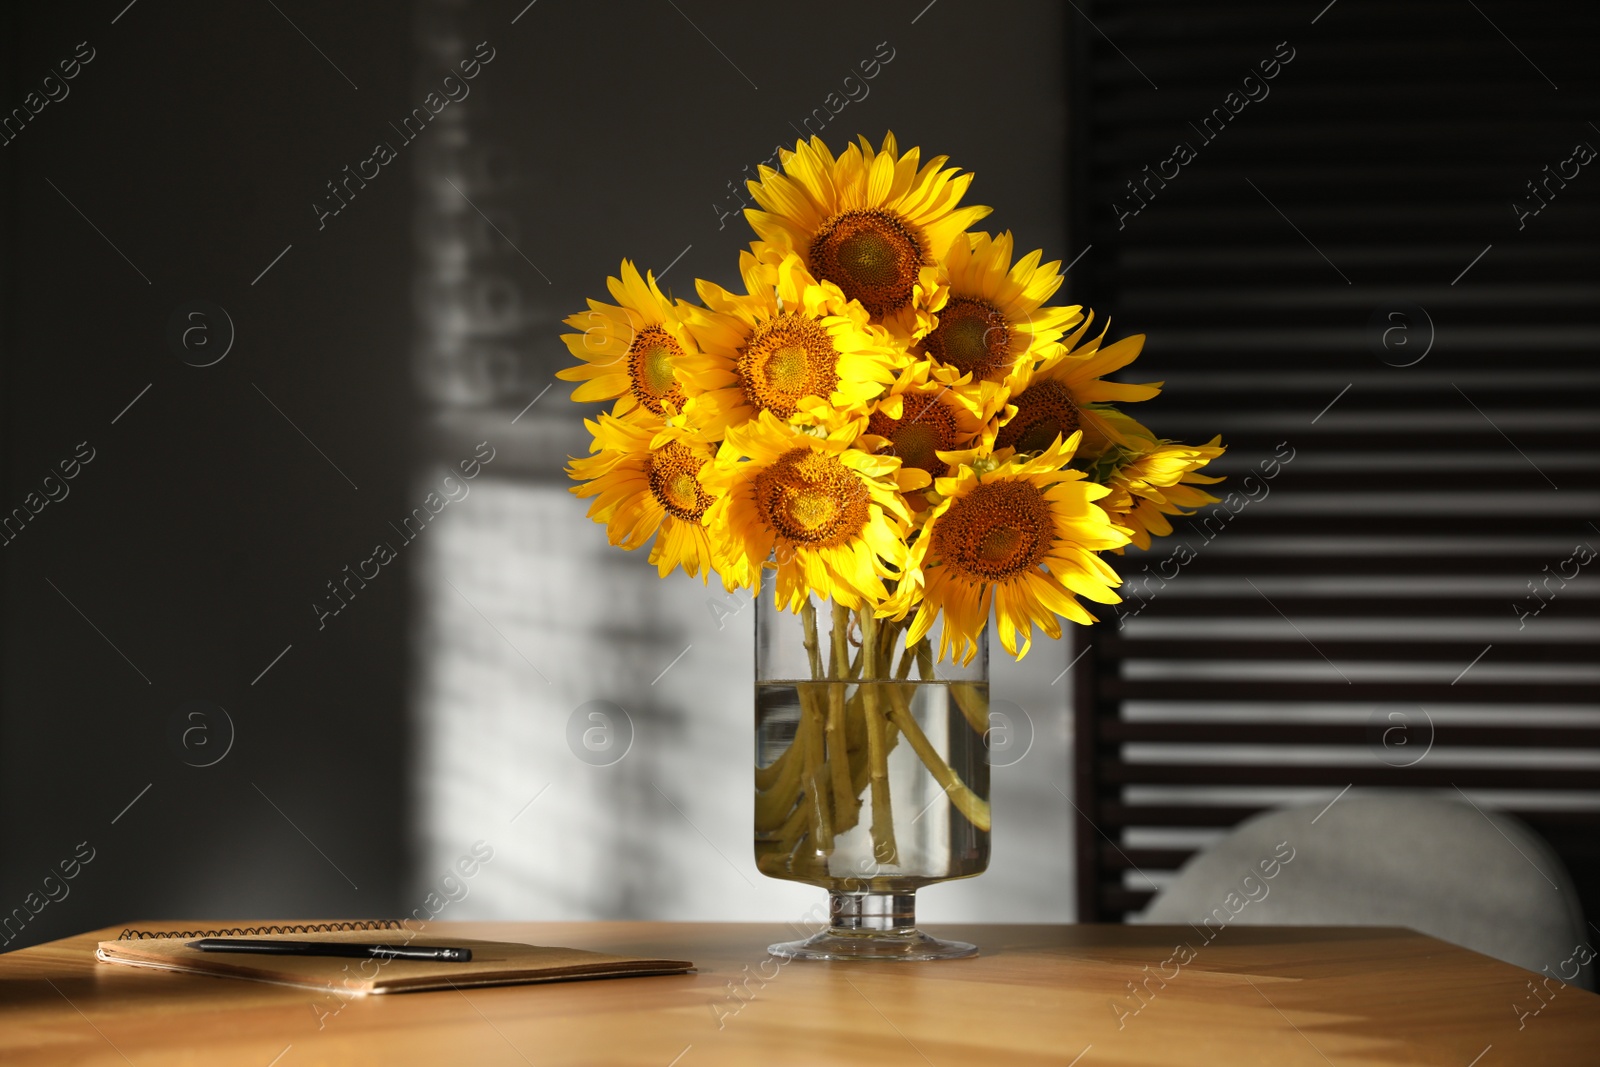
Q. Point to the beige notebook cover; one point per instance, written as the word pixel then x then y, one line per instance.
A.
pixel 492 963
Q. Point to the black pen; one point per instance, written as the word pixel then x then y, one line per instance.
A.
pixel 334 948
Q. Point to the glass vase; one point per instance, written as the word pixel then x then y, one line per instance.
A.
pixel 872 776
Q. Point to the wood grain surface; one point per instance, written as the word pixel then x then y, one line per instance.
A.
pixel 1057 995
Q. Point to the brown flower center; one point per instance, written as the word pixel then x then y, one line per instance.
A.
pixel 1044 410
pixel 924 428
pixel 787 359
pixel 872 255
pixel 974 337
pixel 996 532
pixel 675 481
pixel 812 499
pixel 651 357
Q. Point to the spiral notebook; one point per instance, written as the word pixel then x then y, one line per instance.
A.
pixel 492 963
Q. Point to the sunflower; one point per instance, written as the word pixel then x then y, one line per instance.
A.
pixel 1159 480
pixel 868 221
pixel 630 351
pixel 919 419
pixel 993 317
pixel 831 515
pixel 1064 393
pixel 646 481
pixel 789 339
pixel 1015 534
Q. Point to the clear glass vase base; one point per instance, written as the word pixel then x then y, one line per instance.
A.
pixel 904 944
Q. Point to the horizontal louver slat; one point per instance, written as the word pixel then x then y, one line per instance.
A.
pixel 1421 776
pixel 1122 648
pixel 1441 735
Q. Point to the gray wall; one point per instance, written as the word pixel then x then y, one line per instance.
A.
pixel 391 337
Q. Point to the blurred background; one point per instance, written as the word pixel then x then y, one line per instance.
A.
pixel 260 345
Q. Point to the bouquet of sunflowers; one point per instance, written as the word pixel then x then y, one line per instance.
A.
pixel 892 418
pixel 889 415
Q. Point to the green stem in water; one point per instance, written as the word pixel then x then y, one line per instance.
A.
pixel 778 795
pixel 845 805
pixel 779 785
pixel 778 770
pixel 884 848
pixel 816 806
pixel 974 807
pixel 965 695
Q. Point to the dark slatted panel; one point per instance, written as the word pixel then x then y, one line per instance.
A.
pixel 1408 576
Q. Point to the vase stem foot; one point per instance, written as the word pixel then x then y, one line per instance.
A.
pixel 872 926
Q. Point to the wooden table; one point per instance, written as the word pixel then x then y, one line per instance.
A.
pixel 1055 995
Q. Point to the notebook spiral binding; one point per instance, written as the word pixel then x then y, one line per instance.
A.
pixel 255 931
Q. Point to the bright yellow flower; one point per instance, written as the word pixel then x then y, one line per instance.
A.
pixel 1065 393
pixel 631 350
pixel 830 515
pixel 788 339
pixel 919 418
pixel 1020 538
pixel 993 317
pixel 645 478
pixel 868 221
pixel 1159 480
